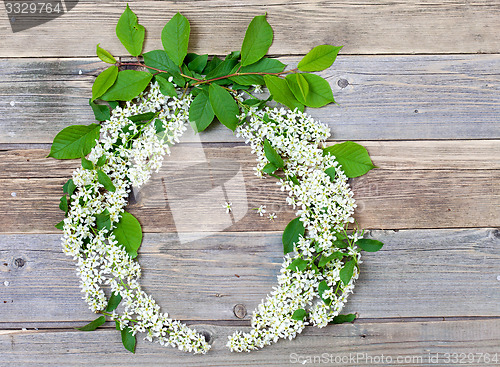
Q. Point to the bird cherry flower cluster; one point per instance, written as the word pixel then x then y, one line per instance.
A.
pixel 142 113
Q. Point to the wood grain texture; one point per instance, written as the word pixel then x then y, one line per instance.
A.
pixel 382 98
pixel 408 344
pixel 418 273
pixel 218 26
pixel 197 179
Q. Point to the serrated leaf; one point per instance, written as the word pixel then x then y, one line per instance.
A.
pixel 60 225
pixel 298 264
pixel 128 339
pixel 347 271
pixel 299 314
pixel 320 92
pixel 91 326
pixel 319 58
pixel 74 141
pixel 113 302
pixel 101 112
pixel 293 231
pixel 130 32
pixel 326 259
pixel 353 158
pixel 69 187
pixel 322 288
pixel 104 180
pixel 272 155
pixel 86 164
pixel 105 55
pixel 201 112
pixel 340 319
pixel 269 168
pixel 103 220
pixel 128 85
pixel 369 245
pixel 281 92
pixel 159 59
pixel 104 81
pixel 299 86
pixel 198 63
pixel 258 39
pixel 264 65
pixel 175 38
pixel 166 87
pixel 224 106
pixel 128 233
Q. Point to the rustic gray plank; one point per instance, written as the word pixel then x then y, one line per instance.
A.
pixel 23 161
pixel 380 97
pixel 429 343
pixel 218 26
pixel 418 273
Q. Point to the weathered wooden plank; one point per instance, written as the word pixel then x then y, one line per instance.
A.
pixel 380 97
pixel 218 26
pixel 388 155
pixel 419 273
pixel 195 181
pixel 429 343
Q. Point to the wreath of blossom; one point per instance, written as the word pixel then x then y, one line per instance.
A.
pixel 129 153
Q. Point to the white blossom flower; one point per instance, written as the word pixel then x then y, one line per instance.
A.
pixel 228 206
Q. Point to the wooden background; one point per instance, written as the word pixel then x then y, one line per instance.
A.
pixel 417 83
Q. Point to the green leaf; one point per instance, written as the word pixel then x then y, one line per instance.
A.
pixel 166 87
pixel 128 339
pixel 369 245
pixel 299 86
pixel 130 32
pixel 60 225
pixel 281 92
pixel 101 112
pixel 101 161
pixel 353 158
pixel 224 106
pixel 141 117
pixel 320 92
pixel 201 112
pixel 211 65
pixel 322 287
pixel 198 64
pixel 264 65
pixel 113 302
pixel 74 141
pixel 269 168
pixel 159 59
pixel 340 319
pixel 294 180
pixel 175 38
pixel 104 81
pixel 298 264
pixel 91 326
pixel 159 126
pixel 326 259
pixel 69 187
pixel 128 85
pixel 223 69
pixel 103 220
pixel 299 314
pixel 258 39
pixel 86 164
pixel 105 55
pixel 128 233
pixel 113 104
pixel 104 180
pixel 272 155
pixel 293 231
pixel 347 271
pixel 340 244
pixel 319 58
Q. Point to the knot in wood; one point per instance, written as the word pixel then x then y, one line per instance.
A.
pixel 239 310
pixel 19 262
pixel 342 83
